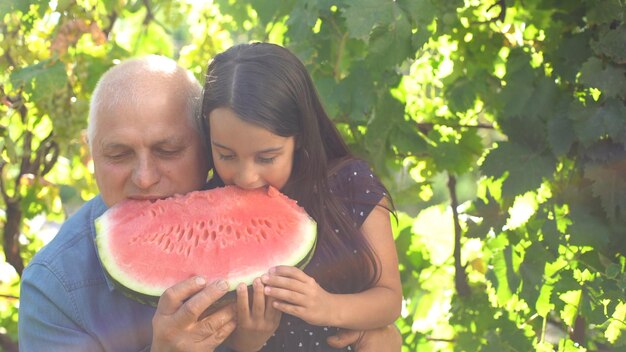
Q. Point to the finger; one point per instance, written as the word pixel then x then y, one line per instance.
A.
pixel 271 313
pixel 291 297
pixel 171 300
pixel 288 271
pixel 288 308
pixel 285 283
pixel 218 326
pixel 243 305
pixel 343 338
pixel 258 301
pixel 191 310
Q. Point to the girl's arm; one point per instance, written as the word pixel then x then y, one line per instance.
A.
pixel 298 294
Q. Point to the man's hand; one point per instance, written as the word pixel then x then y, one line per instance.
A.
pixel 176 324
pixel 387 339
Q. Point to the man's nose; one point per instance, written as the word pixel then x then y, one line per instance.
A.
pixel 146 173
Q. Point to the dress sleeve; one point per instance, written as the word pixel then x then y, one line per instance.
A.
pixel 359 189
pixel 47 319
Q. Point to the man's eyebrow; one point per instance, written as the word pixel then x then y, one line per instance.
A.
pixel 113 145
pixel 170 141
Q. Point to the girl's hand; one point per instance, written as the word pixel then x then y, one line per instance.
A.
pixel 254 325
pixel 298 294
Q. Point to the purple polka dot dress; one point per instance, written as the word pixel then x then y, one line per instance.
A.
pixel 361 190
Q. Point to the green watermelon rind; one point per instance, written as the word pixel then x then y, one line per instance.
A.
pixel 150 295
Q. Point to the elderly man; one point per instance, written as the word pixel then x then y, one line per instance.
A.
pixel 145 144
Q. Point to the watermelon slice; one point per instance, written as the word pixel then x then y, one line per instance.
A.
pixel 224 233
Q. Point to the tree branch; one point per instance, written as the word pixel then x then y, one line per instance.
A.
pixel 460 276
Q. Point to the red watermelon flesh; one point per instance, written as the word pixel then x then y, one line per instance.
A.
pixel 224 233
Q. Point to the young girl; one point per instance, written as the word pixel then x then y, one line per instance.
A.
pixel 267 126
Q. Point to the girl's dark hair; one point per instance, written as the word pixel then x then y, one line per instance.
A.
pixel 268 86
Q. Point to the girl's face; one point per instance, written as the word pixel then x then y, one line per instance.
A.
pixel 247 155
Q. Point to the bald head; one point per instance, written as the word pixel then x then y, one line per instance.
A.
pixel 135 81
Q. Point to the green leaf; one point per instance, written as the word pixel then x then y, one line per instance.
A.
pixel 609 184
pixel 605 11
pixel 461 94
pixel 388 110
pixel 519 84
pixel 362 16
pixel 7 6
pixel 607 77
pixel 95 68
pixel 503 275
pixel 616 323
pixel 491 214
pixel 41 79
pixel 269 10
pixel 454 151
pixel 545 94
pixel 532 270
pixel 422 12
pixel 587 229
pixel 572 300
pixel 572 50
pixel 612 44
pixel 544 305
pixel 357 93
pixel 613 270
pixel 526 130
pixel 407 140
pixel 302 19
pixel 391 43
pixel 526 168
pixel 561 134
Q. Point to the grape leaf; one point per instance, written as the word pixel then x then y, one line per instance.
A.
pixel 609 184
pixel 391 43
pixel 41 79
pixel 572 50
pixel 561 134
pixel 422 12
pixel 605 76
pixel 526 168
pixel 461 94
pixel 454 151
pixel 605 11
pixel 302 19
pixel 616 325
pixel 7 6
pixel 362 16
pixel 612 44
pixel 269 10
pixel 596 121
pixel 493 217
pixel 586 228
pixel 532 270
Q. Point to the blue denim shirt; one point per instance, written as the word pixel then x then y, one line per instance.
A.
pixel 66 302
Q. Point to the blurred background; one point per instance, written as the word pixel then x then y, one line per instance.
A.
pixel 499 127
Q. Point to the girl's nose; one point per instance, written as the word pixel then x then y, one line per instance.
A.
pixel 247 178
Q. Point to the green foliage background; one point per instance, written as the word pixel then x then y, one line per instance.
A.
pixel 498 125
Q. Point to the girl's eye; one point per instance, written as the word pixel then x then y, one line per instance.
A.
pixel 226 157
pixel 267 160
